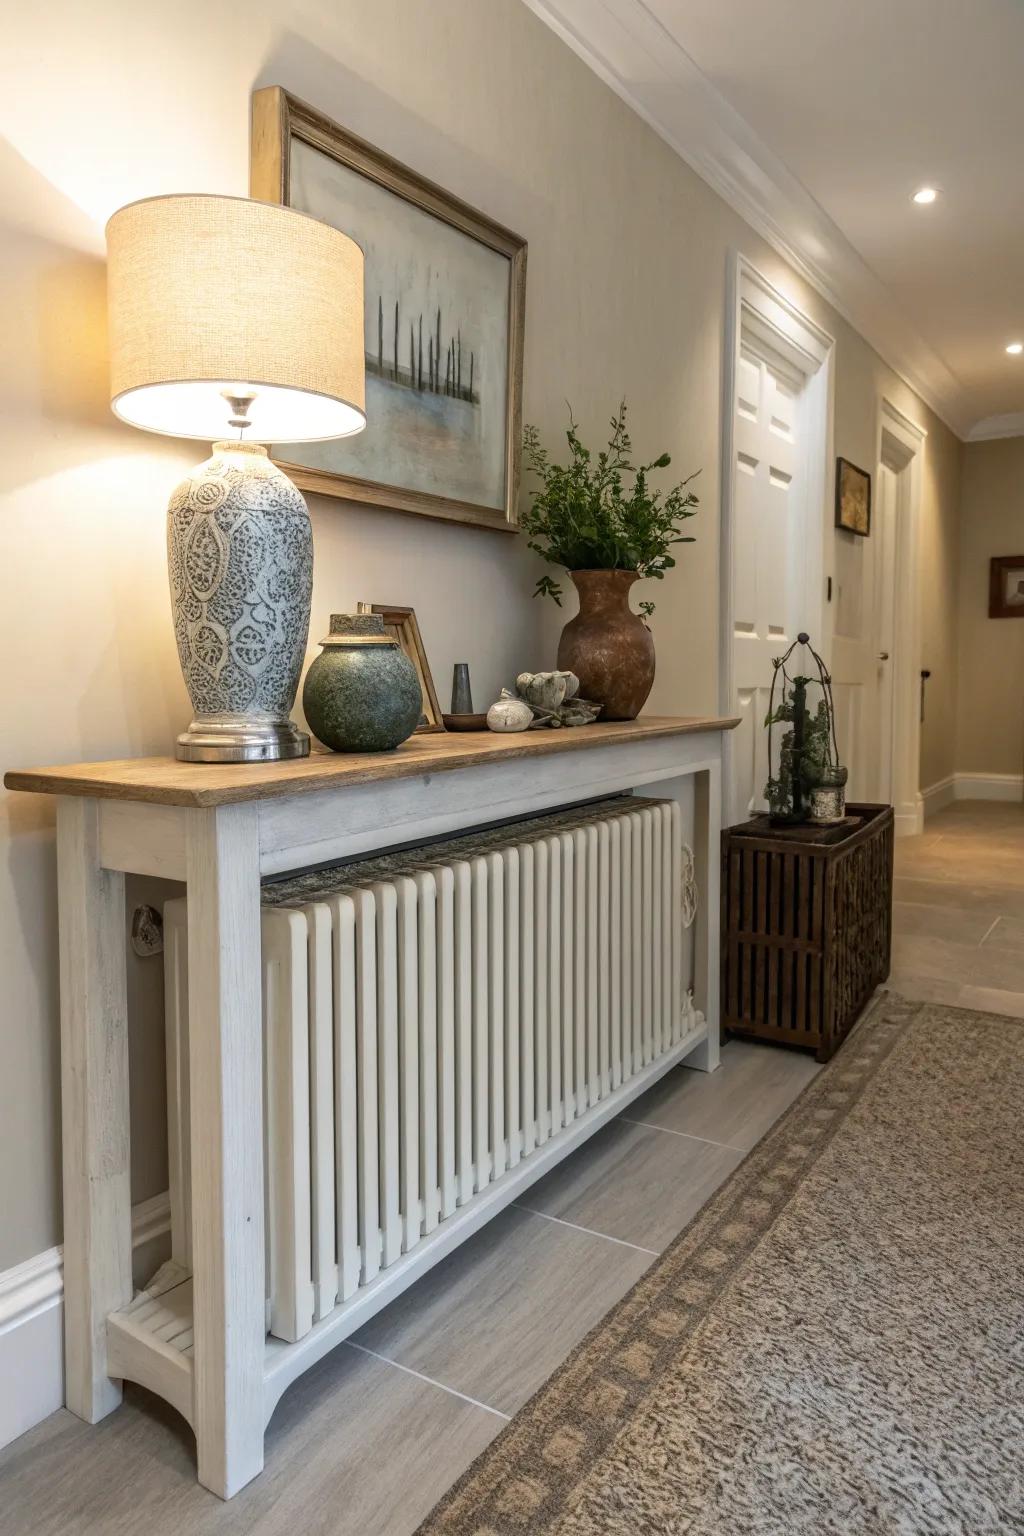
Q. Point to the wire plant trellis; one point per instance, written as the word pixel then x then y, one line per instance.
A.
pixel 806 779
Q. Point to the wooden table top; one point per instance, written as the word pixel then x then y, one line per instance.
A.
pixel 165 781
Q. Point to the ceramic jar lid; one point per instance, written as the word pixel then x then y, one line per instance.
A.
pixel 351 629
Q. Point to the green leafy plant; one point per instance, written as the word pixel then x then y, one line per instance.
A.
pixel 601 513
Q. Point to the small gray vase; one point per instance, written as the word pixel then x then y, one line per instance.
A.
pixel 362 693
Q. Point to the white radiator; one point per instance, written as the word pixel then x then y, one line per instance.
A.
pixel 434 1017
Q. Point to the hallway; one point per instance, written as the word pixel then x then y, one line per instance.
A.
pixel 958 914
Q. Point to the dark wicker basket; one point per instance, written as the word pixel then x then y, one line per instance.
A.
pixel 806 927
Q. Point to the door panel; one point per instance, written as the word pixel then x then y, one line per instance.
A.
pixel 768 564
pixel 889 484
pixel 862 645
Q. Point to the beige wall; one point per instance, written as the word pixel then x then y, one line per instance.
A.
pixel 110 101
pixel 990 719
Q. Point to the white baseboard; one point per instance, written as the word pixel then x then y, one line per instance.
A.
pixel 989 786
pixel 937 796
pixel 908 817
pixel 32 1321
pixel 972 786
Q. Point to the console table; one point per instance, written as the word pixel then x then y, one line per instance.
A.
pixel 220 830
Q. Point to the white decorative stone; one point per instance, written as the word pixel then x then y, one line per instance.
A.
pixel 547 690
pixel 509 715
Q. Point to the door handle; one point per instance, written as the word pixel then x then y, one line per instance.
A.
pixel 883 655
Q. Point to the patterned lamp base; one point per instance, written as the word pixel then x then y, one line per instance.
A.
pixel 240 559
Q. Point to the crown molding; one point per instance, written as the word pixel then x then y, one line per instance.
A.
pixel 629 49
pixel 991 427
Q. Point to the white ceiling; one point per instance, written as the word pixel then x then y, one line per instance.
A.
pixel 817 119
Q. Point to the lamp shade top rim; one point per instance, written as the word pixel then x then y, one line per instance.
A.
pixel 229 197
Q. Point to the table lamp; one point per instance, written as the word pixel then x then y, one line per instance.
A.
pixel 231 314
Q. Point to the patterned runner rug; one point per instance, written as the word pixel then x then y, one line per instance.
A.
pixel 835 1343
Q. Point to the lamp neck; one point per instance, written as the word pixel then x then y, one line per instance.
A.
pixel 240 401
pixel 230 445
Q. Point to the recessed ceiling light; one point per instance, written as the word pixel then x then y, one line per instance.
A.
pixel 926 194
pixel 1015 348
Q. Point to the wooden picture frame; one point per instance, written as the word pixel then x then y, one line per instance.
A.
pixel 280 120
pixel 1006 587
pixel 853 498
pixel 401 625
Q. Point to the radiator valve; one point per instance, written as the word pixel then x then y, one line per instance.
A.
pixel 147 932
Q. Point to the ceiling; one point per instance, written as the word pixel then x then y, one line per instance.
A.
pixel 817 120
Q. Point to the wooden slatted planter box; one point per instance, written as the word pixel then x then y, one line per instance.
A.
pixel 806 926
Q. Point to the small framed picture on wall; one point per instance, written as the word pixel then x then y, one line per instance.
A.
pixel 1006 587
pixel 853 498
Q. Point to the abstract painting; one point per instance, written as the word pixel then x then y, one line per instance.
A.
pixel 444 291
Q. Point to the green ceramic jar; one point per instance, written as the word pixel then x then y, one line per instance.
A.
pixel 362 693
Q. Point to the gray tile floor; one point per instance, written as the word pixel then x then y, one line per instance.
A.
pixel 959 909
pixel 370 1439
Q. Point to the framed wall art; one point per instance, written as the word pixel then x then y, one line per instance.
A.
pixel 445 291
pixel 853 498
pixel 1006 587
pixel 401 625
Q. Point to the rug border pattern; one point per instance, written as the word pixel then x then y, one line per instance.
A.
pixel 622 1359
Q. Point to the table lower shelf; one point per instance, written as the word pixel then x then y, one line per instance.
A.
pixel 151 1341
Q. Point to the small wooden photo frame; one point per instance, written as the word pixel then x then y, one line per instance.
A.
pixel 1006 587
pixel 401 625
pixel 853 498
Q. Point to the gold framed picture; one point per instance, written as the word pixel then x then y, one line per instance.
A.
pixel 401 625
pixel 445 296
pixel 853 498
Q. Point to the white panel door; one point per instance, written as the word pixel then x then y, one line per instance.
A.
pixel 863 645
pixel 768 557
pixel 889 485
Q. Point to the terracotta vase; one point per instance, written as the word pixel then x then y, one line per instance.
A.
pixel 608 646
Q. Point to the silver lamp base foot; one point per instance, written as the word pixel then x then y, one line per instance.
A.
pixel 241 741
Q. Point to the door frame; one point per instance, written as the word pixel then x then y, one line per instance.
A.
pixel 755 306
pixel 901 446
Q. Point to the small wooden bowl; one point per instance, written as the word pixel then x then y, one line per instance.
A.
pixel 465 722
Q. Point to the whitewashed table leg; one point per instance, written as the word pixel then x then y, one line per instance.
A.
pixel 94 1093
pixel 707 827
pixel 226 1072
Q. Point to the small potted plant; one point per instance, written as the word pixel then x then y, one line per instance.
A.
pixel 601 521
pixel 806 781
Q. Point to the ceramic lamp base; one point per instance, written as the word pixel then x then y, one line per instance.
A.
pixel 240 558
pixel 241 741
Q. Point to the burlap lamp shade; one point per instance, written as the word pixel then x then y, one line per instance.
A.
pixel 210 292
pixel 226 314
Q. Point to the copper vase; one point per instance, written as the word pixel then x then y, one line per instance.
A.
pixel 608 646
